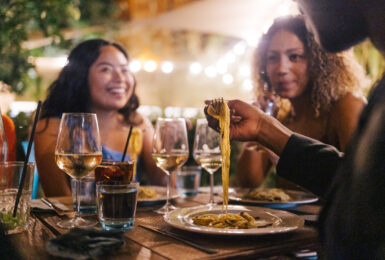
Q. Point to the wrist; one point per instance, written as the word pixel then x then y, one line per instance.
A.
pixel 273 134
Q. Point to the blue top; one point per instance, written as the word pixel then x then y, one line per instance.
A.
pixel 112 155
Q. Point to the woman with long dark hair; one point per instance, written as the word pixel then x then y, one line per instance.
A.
pixel 96 79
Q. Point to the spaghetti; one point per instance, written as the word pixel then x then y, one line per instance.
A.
pixel 230 220
pixel 219 110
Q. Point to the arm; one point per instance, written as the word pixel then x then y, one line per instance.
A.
pixel 252 166
pixel 53 180
pixel 347 111
pixel 309 163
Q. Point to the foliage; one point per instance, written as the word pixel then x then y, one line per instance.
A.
pixel 22 122
pixel 20 18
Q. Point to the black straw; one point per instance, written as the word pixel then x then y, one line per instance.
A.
pixel 21 184
pixel 125 147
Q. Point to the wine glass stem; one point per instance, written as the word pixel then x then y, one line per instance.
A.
pixel 211 188
pixel 77 214
pixel 168 191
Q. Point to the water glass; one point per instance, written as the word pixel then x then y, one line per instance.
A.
pixel 188 180
pixel 10 176
pixel 116 203
pixel 87 195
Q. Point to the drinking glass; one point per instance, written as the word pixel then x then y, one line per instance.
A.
pixel 169 150
pixel 78 151
pixel 207 152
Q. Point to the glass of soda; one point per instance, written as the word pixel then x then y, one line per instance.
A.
pixel 114 171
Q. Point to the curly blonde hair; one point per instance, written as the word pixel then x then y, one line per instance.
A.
pixel 331 76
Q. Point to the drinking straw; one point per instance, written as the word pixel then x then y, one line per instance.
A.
pixel 21 184
pixel 125 147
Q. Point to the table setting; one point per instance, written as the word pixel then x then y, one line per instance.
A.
pixel 110 214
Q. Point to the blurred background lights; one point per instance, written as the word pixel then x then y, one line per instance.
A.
pixel 210 71
pixel 230 57
pixel 227 79
pixel 221 66
pixel 195 68
pixel 150 66
pixel 245 71
pixel 135 66
pixel 239 48
pixel 247 85
pixel 167 67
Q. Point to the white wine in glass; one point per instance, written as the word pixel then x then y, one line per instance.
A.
pixel 169 150
pixel 78 151
pixel 207 152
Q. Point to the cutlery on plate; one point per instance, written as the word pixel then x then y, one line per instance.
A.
pixel 58 211
pixel 179 238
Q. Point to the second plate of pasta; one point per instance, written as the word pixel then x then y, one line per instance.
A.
pixel 241 220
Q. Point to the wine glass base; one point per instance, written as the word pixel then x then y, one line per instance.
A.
pixel 76 222
pixel 165 209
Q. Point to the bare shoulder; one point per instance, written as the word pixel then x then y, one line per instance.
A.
pixel 141 122
pixel 350 101
pixel 48 126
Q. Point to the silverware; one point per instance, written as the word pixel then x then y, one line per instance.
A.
pixel 179 238
pixel 52 206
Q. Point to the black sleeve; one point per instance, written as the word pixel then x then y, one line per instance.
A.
pixel 309 163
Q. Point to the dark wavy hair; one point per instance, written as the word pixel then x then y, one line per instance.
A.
pixel 70 92
pixel 331 76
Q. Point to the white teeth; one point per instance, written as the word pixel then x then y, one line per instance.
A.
pixel 117 90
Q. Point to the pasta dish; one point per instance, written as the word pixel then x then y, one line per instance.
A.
pixel 219 110
pixel 230 220
pixel 268 195
pixel 146 193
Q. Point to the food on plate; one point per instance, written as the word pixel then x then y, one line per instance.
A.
pixel 219 110
pixel 147 193
pixel 274 194
pixel 241 220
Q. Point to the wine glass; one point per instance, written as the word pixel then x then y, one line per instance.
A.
pixel 169 150
pixel 207 152
pixel 78 151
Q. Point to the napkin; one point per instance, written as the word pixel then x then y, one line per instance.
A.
pixel 85 243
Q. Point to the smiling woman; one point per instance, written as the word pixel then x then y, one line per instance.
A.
pixel 96 79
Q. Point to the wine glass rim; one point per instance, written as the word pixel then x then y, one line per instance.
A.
pixel 78 113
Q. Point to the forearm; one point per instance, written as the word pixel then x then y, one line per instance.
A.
pixel 309 163
pixel 273 134
pixel 252 167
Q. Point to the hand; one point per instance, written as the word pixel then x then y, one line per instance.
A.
pixel 245 120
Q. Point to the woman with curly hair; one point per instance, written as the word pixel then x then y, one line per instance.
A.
pixel 96 79
pixel 318 94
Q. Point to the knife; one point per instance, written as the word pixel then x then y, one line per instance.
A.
pixel 179 238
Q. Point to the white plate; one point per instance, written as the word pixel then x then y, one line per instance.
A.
pixel 282 221
pixel 161 196
pixel 298 197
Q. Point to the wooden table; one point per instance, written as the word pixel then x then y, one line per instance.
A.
pixel 141 243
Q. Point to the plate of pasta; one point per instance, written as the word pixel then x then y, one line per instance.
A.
pixel 151 195
pixel 239 220
pixel 271 197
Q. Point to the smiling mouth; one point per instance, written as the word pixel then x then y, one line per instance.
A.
pixel 117 90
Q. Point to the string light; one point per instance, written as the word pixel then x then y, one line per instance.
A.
pixel 167 67
pixel 150 66
pixel 135 66
pixel 195 68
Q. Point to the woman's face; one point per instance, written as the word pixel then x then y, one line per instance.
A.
pixel 286 65
pixel 111 83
